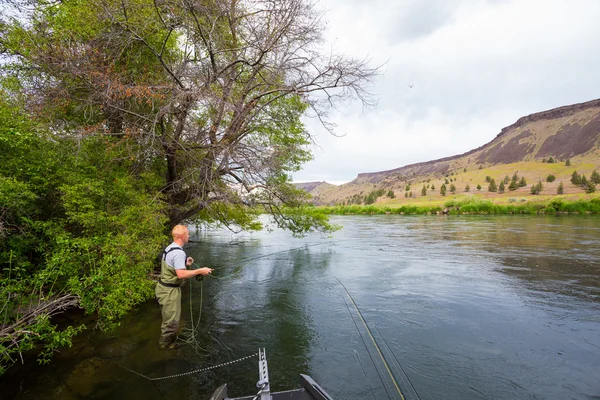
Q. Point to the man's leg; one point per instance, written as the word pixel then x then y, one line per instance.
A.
pixel 170 307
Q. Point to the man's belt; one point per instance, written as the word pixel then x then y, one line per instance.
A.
pixel 173 285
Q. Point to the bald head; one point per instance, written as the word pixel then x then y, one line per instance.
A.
pixel 179 232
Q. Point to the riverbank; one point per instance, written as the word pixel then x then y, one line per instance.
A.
pixel 474 205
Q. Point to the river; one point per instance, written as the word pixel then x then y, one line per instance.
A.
pixel 462 307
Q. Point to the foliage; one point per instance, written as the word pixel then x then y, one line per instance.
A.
pixel 550 178
pixel 208 95
pixel 575 178
pixel 79 229
pixel 472 205
pixel 522 182
pixel 560 189
pixel 568 163
pixel 443 190
pixel 492 186
pixel 536 188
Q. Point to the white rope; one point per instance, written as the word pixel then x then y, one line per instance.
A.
pixel 191 372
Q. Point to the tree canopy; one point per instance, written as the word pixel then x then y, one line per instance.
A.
pixel 119 119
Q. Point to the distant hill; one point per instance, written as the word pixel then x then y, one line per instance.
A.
pixel 569 132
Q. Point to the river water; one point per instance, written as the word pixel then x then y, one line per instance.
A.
pixel 461 307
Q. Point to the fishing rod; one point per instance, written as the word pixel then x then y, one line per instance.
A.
pixel 387 367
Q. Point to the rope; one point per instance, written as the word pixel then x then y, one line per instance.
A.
pixel 262 387
pixel 191 372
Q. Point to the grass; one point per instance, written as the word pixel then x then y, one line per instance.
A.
pixel 474 205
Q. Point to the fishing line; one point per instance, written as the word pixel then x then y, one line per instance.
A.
pixel 364 374
pixel 402 373
pixel 387 367
pixel 368 352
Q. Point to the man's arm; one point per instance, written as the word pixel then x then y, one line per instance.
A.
pixel 188 273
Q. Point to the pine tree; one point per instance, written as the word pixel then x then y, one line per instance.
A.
pixel 501 187
pixel 522 182
pixel 493 187
pixel 467 188
pixel 561 188
pixel 443 190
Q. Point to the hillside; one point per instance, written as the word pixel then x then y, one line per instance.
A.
pixel 565 133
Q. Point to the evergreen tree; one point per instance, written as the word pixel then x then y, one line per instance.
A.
pixel 501 187
pixel 506 179
pixel 568 163
pixel 561 188
pixel 452 188
pixel 575 178
pixel 467 188
pixel 536 188
pixel 478 187
pixel 424 191
pixel 493 187
pixel 591 188
pixel 443 190
pixel 550 178
pixel 595 177
pixel 522 182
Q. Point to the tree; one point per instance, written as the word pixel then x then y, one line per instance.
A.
pixel 391 194
pixel 506 179
pixel 595 177
pixel 492 186
pixel 522 182
pixel 452 189
pixel 590 188
pixel 208 95
pixel 478 187
pixel 424 191
pixel 550 178
pixel 467 188
pixel 443 190
pixel 501 187
pixel 575 178
pixel 568 163
pixel 561 188
pixel 536 188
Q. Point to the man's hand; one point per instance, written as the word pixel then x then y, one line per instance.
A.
pixel 189 261
pixel 203 271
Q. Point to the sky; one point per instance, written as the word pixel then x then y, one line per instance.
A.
pixel 455 72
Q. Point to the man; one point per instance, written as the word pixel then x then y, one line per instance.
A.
pixel 168 290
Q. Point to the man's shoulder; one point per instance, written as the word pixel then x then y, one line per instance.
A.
pixel 173 247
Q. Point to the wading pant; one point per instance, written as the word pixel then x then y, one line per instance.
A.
pixel 170 308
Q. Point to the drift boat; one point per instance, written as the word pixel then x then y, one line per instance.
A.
pixel 309 389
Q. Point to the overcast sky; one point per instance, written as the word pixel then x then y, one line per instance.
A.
pixel 456 72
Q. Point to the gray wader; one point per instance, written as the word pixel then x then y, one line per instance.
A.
pixel 168 294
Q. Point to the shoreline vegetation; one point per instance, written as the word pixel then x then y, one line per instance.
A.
pixel 469 206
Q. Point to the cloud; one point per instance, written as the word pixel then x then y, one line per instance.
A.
pixel 456 73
